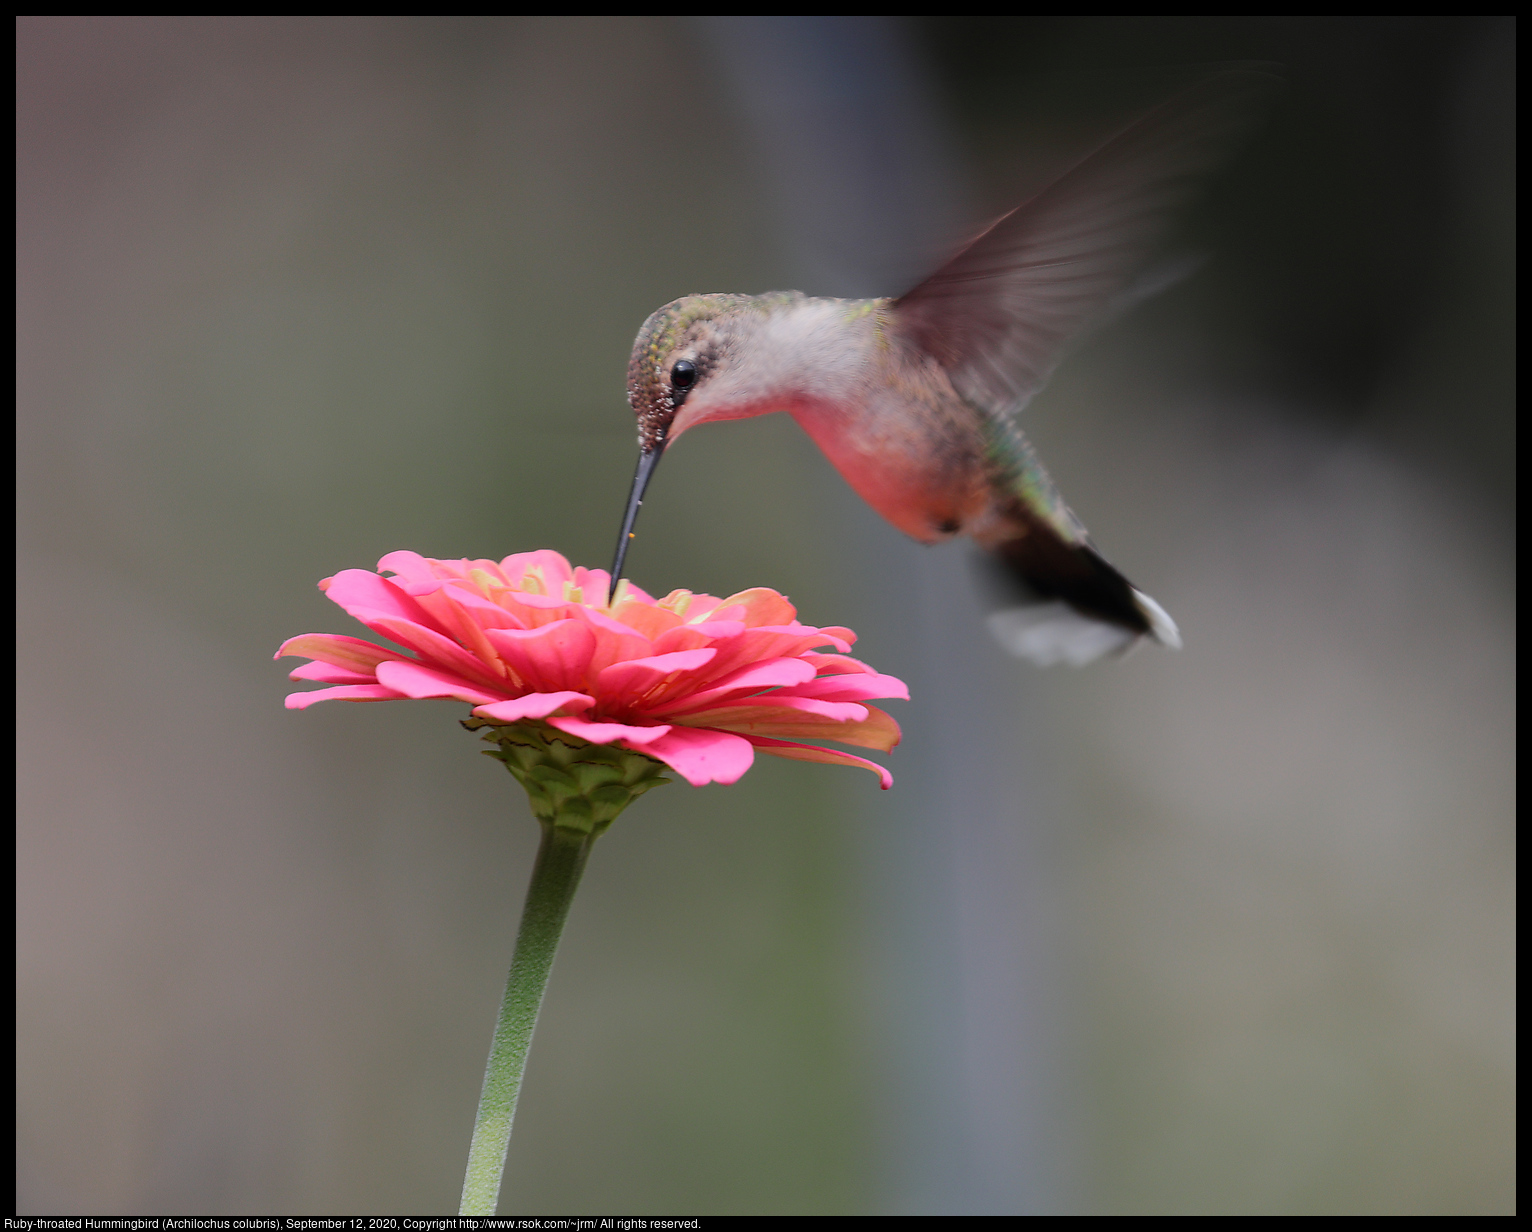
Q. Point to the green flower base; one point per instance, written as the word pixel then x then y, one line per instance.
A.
pixel 571 783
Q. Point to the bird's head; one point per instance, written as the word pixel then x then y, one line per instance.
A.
pixel 688 361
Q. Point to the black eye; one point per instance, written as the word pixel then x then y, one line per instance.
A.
pixel 683 375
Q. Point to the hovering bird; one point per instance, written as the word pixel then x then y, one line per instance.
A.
pixel 914 399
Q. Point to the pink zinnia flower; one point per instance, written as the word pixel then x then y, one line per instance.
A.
pixel 695 682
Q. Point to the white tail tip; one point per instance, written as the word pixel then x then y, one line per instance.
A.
pixel 1160 623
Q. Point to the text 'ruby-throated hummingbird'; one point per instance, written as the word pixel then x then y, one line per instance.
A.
pixel 913 399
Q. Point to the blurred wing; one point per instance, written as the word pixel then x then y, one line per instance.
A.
pixel 998 314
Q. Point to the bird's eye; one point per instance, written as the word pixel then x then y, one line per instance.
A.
pixel 683 375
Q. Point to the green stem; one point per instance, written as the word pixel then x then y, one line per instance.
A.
pixel 560 861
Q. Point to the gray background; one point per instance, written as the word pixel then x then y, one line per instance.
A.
pixel 1227 931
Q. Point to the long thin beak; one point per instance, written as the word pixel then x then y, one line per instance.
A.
pixel 648 459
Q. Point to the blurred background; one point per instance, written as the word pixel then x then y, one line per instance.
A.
pixel 1226 931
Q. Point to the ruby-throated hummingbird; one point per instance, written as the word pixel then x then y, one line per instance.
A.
pixel 913 399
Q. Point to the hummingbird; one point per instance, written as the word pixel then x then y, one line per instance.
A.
pixel 914 399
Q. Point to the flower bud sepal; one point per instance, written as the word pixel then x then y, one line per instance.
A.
pixel 570 783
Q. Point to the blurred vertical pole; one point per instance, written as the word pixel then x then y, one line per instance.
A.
pixel 865 192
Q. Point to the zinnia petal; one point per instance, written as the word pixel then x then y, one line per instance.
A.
pixel 549 658
pixel 533 610
pixel 328 673
pixel 471 602
pixel 698 607
pixel 435 649
pixel 548 569
pixel 418 680
pixel 605 733
pixel 631 680
pixel 411 566
pixel 343 693
pixel 773 673
pixel 848 687
pixel 835 664
pixel 876 731
pixel 357 590
pixel 465 615
pixel 649 619
pixel 593 583
pixel 778 706
pixel 776 642
pixel 615 641
pixel 689 637
pixel 809 752
pixel 534 706
pixel 762 607
pixel 700 756
pixel 350 652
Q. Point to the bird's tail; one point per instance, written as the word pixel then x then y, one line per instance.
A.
pixel 1057 602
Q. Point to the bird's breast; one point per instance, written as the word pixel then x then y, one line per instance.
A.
pixel 914 456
